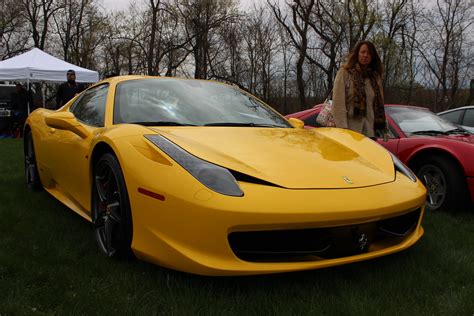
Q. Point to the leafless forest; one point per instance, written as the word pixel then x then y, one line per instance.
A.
pixel 286 52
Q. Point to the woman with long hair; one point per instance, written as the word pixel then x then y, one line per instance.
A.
pixel 358 101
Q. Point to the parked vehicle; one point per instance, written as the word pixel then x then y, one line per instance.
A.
pixel 463 116
pixel 202 177
pixel 438 151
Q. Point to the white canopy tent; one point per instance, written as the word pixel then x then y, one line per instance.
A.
pixel 36 65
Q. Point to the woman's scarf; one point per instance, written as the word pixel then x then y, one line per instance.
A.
pixel 360 97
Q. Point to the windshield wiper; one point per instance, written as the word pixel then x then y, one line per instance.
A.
pixel 458 131
pixel 242 124
pixel 429 132
pixel 161 123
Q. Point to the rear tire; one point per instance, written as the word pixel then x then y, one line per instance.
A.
pixel 444 181
pixel 111 213
pixel 31 169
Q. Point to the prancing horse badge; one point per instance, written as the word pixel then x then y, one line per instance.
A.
pixel 348 180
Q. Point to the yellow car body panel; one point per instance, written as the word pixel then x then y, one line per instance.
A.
pixel 312 179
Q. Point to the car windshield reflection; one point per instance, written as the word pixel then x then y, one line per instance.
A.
pixel 419 121
pixel 181 102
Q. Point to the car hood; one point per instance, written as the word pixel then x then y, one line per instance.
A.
pixel 288 157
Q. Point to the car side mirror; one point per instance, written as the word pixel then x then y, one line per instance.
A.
pixel 296 123
pixel 66 121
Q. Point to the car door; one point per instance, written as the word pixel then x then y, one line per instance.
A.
pixel 72 151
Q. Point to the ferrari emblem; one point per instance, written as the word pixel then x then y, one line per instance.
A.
pixel 348 180
pixel 362 240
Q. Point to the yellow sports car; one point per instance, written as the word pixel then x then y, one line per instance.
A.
pixel 202 177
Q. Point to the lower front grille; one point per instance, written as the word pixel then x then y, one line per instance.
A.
pixel 321 243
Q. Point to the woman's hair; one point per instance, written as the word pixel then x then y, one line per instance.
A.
pixel 353 58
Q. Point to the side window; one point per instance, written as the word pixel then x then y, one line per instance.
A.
pixel 90 108
pixel 452 116
pixel 468 118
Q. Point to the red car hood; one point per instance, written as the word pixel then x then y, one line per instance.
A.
pixel 462 138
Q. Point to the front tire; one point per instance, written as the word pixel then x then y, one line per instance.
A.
pixel 31 168
pixel 444 181
pixel 111 213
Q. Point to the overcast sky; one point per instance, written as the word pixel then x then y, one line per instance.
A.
pixel 114 5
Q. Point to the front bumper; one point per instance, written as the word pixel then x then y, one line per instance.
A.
pixel 189 231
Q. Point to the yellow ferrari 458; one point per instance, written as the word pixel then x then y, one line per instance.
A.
pixel 202 177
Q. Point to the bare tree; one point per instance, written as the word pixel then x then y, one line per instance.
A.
pixel 38 14
pixel 202 18
pixel 228 59
pixel 177 46
pixel 155 8
pixel 443 49
pixel 361 16
pixel 409 35
pixel 287 55
pixel 297 28
pixel 167 39
pixel 127 40
pixel 328 23
pixel 261 42
pixel 391 41
pixel 69 20
pixel 12 25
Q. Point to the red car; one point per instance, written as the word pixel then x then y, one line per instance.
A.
pixel 438 151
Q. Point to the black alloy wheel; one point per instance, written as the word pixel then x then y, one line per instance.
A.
pixel 111 213
pixel 444 181
pixel 31 169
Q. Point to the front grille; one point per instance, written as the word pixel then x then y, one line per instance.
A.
pixel 321 243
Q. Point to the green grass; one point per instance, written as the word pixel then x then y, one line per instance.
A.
pixel 49 265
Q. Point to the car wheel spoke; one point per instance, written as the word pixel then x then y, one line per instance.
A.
pixel 108 230
pixel 100 188
pixel 29 163
pixel 100 220
pixel 438 179
pixel 435 183
pixel 430 197
pixel 429 185
pixel 27 170
pixel 439 197
pixel 31 173
pixel 114 211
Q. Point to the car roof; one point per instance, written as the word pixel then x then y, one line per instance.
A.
pixel 457 109
pixel 407 106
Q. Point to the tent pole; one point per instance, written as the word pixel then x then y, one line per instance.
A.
pixel 28 90
pixel 43 93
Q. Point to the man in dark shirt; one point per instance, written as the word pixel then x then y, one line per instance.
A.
pixel 67 90
pixel 22 105
pixel 22 101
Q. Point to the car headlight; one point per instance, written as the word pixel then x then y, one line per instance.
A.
pixel 400 166
pixel 214 177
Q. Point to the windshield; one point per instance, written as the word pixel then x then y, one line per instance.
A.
pixel 170 101
pixel 416 121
